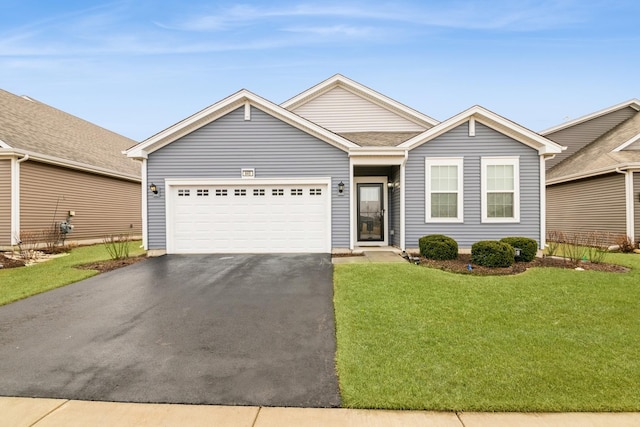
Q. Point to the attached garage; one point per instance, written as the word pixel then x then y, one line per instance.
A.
pixel 248 216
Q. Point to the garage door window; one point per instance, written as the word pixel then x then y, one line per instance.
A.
pixel 240 192
pixel 183 193
pixel 258 191
pixel 315 192
pixel 221 192
pixel 202 192
pixel 296 191
pixel 277 192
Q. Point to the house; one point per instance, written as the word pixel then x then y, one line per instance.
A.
pixel 55 167
pixel 595 184
pixel 336 167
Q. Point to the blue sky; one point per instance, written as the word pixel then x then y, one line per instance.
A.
pixel 139 66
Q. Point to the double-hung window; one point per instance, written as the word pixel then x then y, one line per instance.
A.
pixel 444 187
pixel 500 189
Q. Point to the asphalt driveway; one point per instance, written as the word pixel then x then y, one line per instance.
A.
pixel 210 329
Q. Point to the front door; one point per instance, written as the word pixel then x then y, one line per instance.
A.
pixel 370 212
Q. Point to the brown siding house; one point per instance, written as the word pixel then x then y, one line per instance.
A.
pixel 5 201
pixel 596 186
pixel 53 163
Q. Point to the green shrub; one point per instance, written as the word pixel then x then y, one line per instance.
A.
pixel 491 253
pixel 438 246
pixel 528 247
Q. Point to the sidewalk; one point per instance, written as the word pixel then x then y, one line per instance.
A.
pixel 24 412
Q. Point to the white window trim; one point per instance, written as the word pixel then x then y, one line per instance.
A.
pixel 444 161
pixel 493 161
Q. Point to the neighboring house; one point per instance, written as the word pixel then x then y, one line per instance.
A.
pixel 595 184
pixel 52 163
pixel 338 166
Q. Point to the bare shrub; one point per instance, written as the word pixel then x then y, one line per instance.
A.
pixel 28 243
pixel 117 245
pixel 555 239
pixel 51 237
pixel 575 247
pixel 597 245
pixel 626 243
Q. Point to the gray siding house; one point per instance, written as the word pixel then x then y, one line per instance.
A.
pixel 596 185
pixel 337 167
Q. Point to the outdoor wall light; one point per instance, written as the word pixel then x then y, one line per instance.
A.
pixel 341 187
pixel 153 188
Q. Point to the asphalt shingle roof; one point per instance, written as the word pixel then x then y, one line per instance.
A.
pixel 599 155
pixel 378 139
pixel 30 125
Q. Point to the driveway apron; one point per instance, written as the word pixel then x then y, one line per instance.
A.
pixel 208 329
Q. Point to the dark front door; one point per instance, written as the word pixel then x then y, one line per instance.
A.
pixel 370 212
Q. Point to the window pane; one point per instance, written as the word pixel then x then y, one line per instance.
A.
pixel 444 205
pixel 500 205
pixel 444 178
pixel 500 178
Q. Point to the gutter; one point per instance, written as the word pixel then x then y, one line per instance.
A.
pixel 69 164
pixel 610 169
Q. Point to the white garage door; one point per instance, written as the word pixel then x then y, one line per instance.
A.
pixel 248 218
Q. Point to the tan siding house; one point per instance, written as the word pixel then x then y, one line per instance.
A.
pixel 56 163
pixel 102 205
pixel 595 187
pixel 5 200
pixel 594 204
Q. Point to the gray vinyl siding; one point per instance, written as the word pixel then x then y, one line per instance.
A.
pixel 486 143
pixel 274 148
pixel 578 136
pixel 593 204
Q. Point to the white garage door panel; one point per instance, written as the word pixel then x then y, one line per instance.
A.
pixel 249 218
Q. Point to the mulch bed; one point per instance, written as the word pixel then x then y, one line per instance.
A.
pixel 461 265
pixel 10 262
pixel 111 264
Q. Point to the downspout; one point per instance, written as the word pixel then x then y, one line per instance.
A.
pixel 15 198
pixel 629 209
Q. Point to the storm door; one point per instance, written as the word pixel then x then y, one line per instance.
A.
pixel 370 212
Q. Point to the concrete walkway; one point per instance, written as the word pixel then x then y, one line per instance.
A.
pixel 27 412
pixel 370 256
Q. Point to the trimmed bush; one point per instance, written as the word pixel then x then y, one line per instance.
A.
pixel 491 253
pixel 528 247
pixel 438 246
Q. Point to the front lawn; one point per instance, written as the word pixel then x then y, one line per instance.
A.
pixel 411 337
pixel 22 282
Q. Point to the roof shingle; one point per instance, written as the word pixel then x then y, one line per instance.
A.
pixel 29 125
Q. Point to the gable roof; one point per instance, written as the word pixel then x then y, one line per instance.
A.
pixel 226 105
pixel 342 82
pixel 632 103
pixel 606 154
pixel 582 131
pixel 47 134
pixel 492 120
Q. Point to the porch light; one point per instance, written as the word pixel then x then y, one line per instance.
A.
pixel 153 188
pixel 341 187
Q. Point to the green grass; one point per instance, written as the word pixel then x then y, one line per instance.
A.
pixel 411 337
pixel 19 283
